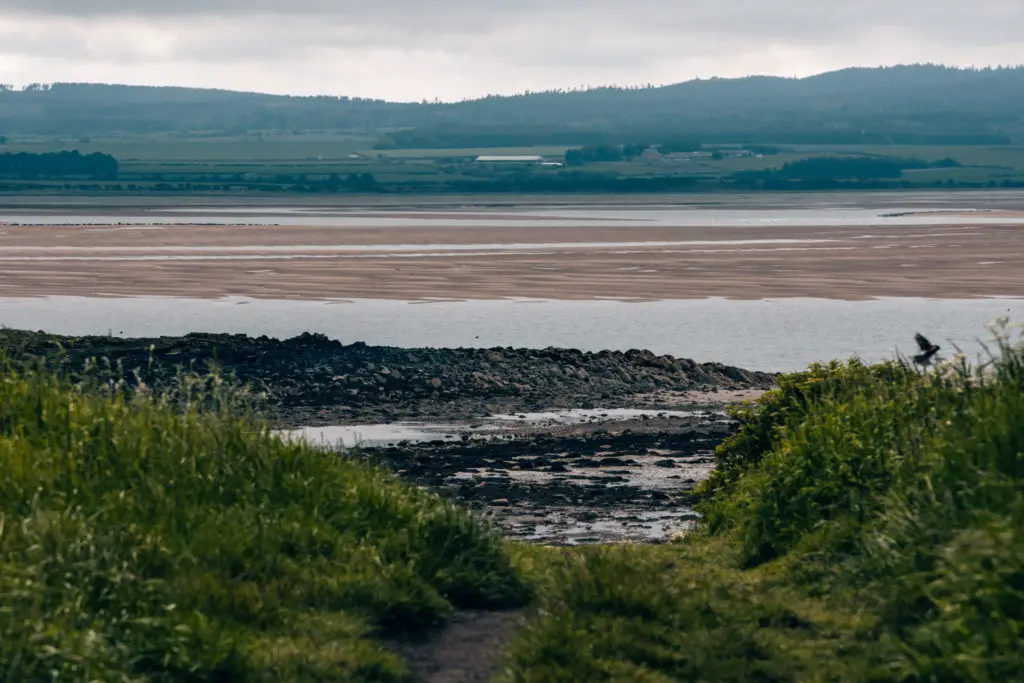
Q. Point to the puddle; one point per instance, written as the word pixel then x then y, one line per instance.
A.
pixel 493 427
pixel 581 416
pixel 649 473
pixel 565 528
pixel 373 436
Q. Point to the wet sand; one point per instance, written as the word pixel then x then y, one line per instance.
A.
pixel 471 262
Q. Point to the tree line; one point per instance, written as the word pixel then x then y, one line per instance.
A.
pixel 916 104
pixel 827 168
pixel 26 165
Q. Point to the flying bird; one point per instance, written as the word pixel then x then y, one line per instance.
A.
pixel 928 350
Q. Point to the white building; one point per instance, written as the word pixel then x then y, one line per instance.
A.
pixel 509 159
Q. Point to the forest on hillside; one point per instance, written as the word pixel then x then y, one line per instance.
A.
pixel 919 104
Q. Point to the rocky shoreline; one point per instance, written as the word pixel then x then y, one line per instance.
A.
pixel 603 479
pixel 311 380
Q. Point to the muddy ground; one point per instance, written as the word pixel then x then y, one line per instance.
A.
pixel 604 481
pixel 551 480
pixel 466 254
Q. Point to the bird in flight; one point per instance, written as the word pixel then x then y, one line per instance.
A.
pixel 928 350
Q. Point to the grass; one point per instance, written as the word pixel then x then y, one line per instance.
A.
pixel 173 538
pixel 864 525
pixel 266 155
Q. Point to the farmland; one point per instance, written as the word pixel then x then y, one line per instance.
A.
pixel 346 161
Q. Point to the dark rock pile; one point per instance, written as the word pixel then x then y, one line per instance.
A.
pixel 311 372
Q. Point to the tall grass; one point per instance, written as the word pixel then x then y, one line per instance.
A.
pixel 865 524
pixel 172 537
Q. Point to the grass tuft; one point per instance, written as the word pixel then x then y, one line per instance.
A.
pixel 865 524
pixel 172 537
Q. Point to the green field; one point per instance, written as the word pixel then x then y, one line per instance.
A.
pixel 272 162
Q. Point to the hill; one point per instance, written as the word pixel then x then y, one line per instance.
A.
pixel 896 105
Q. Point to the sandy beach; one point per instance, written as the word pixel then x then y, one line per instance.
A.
pixel 464 261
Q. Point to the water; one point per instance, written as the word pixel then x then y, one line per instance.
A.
pixel 645 526
pixel 631 218
pixel 377 435
pixel 774 335
pixel 740 211
pixel 582 415
pixel 373 436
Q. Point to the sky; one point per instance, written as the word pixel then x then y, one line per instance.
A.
pixel 457 49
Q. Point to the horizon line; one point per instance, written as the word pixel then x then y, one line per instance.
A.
pixel 27 87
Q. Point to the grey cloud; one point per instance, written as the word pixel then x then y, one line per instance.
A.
pixel 780 19
pixel 468 47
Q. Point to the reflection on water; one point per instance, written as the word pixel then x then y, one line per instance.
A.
pixel 783 334
pixel 370 436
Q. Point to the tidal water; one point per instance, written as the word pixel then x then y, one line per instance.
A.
pixel 771 335
pixel 727 210
pixel 620 218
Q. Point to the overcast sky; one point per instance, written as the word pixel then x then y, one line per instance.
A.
pixel 453 49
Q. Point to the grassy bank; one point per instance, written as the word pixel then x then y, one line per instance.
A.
pixel 173 538
pixel 865 525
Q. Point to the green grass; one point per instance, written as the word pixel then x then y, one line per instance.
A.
pixel 173 538
pixel 183 159
pixel 556 152
pixel 864 525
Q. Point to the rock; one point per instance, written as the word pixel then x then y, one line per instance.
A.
pixel 615 462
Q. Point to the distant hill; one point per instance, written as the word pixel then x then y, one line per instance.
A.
pixel 902 104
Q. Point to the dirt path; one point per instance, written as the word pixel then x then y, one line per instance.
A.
pixel 468 650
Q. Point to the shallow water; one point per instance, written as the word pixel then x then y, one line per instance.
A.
pixel 929 211
pixel 783 334
pixel 377 435
pixel 638 527
pixel 373 436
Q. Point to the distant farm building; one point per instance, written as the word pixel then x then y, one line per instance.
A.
pixel 509 159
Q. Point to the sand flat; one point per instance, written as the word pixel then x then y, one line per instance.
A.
pixel 463 261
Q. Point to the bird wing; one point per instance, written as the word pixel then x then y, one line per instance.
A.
pixel 922 342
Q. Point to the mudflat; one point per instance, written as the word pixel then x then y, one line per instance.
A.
pixel 566 260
